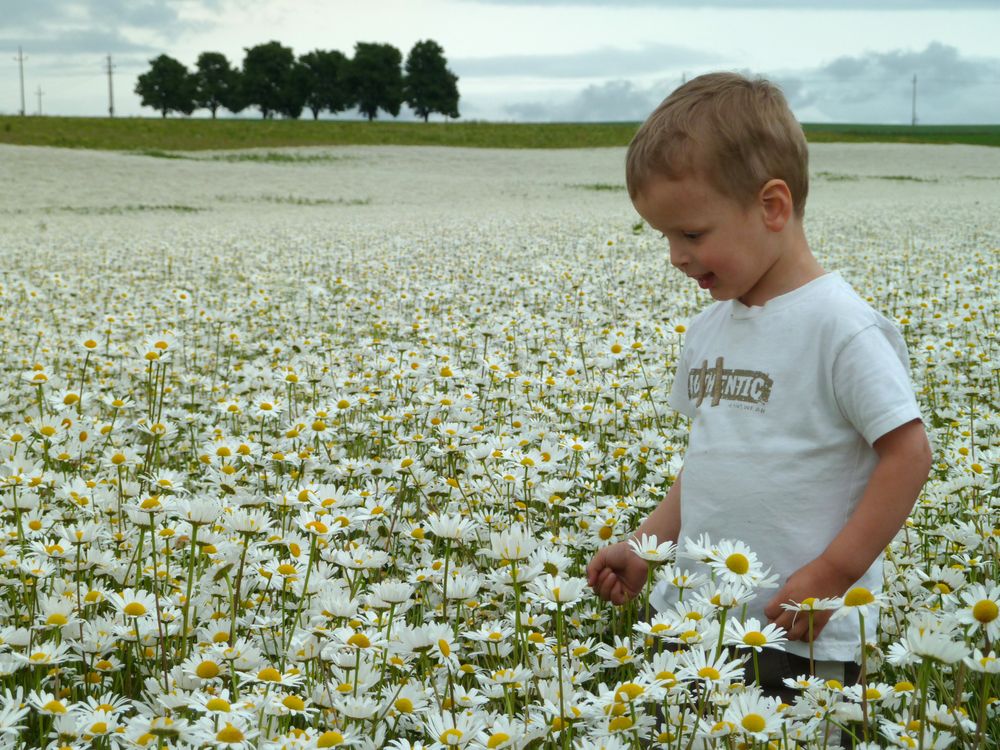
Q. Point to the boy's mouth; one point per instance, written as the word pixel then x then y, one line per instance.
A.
pixel 706 281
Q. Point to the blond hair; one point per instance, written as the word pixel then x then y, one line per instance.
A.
pixel 737 132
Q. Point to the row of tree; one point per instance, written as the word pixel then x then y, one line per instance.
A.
pixel 275 81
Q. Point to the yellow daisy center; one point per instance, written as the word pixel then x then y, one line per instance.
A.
pixel 229 733
pixel 858 597
pixel 753 723
pixel 738 564
pixel 985 611
pixel 450 736
pixel 207 670
pixel 359 640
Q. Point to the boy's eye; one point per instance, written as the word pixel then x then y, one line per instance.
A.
pixel 691 235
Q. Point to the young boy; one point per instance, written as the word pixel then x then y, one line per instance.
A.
pixel 806 442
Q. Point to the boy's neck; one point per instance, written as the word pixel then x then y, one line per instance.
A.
pixel 794 267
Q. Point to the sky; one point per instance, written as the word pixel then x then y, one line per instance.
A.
pixel 540 60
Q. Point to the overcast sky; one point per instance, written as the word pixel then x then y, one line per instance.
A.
pixel 600 60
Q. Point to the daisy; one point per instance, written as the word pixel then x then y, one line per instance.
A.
pixel 618 653
pixel 660 670
pixel 504 732
pixel 927 638
pixel 681 579
pixel 234 733
pixel 650 549
pixel 980 610
pixel 96 725
pixel 47 653
pixel 754 716
pixel 556 591
pixel 859 601
pixel 133 603
pixel 453 527
pixel 698 665
pixel 660 625
pixel 736 563
pixel 289 704
pixel 12 711
pixel 270 676
pixel 47 704
pixel 750 634
pixel 513 544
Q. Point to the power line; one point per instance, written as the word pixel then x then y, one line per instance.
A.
pixel 20 64
pixel 111 90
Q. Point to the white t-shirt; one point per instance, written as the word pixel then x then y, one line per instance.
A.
pixel 785 401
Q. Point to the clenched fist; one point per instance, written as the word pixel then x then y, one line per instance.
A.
pixel 616 573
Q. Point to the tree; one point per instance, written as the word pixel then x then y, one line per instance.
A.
pixel 268 77
pixel 429 86
pixel 296 91
pixel 376 79
pixel 326 73
pixel 217 84
pixel 167 86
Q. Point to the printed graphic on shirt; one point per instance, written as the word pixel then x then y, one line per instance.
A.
pixel 718 384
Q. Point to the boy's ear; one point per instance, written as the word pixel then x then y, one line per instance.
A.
pixel 775 200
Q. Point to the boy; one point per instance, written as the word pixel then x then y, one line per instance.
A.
pixel 806 442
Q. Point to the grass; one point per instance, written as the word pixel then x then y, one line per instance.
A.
pixel 840 177
pixel 162 137
pixel 976 135
pixel 294 200
pixel 116 210
pixel 599 186
pixel 158 137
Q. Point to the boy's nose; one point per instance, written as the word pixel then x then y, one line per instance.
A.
pixel 677 258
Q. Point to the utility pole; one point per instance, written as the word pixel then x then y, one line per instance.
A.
pixel 20 64
pixel 111 90
pixel 39 93
pixel 913 120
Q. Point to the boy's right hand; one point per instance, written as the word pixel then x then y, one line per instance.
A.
pixel 616 573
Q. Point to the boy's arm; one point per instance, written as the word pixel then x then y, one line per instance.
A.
pixel 616 573
pixel 904 461
pixel 665 519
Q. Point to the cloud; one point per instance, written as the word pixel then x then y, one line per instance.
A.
pixel 77 42
pixel 605 62
pixel 826 5
pixel 878 87
pixel 79 27
pixel 875 87
pixel 614 101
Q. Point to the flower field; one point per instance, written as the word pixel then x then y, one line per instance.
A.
pixel 311 473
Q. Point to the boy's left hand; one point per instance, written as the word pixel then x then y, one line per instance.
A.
pixel 819 579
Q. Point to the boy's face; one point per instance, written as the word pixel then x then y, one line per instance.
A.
pixel 725 247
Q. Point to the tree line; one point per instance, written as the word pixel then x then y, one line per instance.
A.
pixel 277 82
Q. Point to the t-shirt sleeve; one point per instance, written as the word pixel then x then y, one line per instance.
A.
pixel 678 398
pixel 871 382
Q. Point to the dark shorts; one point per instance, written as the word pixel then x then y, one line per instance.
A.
pixel 775 666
